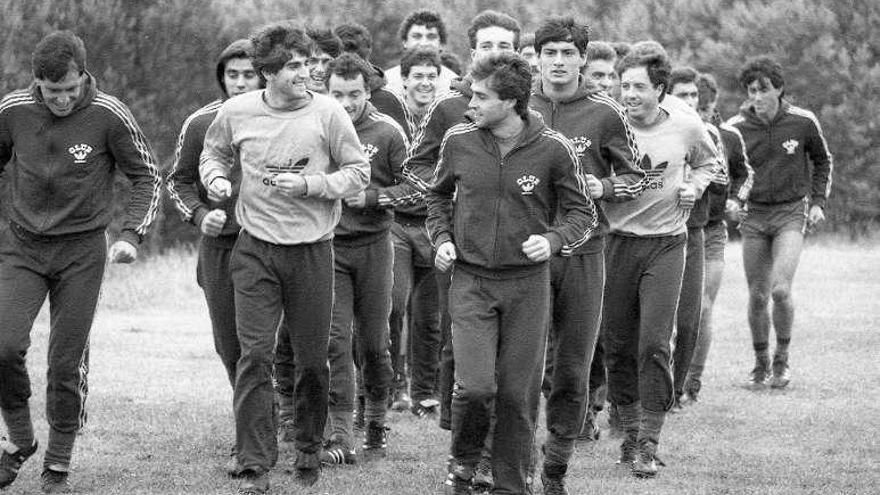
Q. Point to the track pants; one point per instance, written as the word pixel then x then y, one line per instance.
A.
pixel 689 307
pixel 213 276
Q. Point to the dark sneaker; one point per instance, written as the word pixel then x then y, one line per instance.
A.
pixel 232 468
pixel 647 463
pixel 482 481
pixel 338 451
pixel 628 451
pixel 553 485
pixel 52 481
pixel 459 482
pixel 253 483
pixel 11 463
pixel 590 429
pixel 401 401
pixel 375 440
pixel 781 373
pixel 308 468
pixel 760 373
pixel 426 407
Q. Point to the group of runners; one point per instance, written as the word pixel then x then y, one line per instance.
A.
pixel 415 240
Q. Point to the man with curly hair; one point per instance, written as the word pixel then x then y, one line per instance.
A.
pixel 422 28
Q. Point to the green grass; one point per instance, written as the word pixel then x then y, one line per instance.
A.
pixel 160 419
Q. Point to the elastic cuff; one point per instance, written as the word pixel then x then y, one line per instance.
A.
pixel 131 237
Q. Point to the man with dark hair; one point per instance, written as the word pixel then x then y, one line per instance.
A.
pixel 510 175
pixel 215 220
pixel 363 269
pixel 61 142
pixel 603 141
pixel 327 47
pixel 422 28
pixel 420 69
pixel 528 52
pixel 793 169
pixel 299 156
pixel 356 38
pixel 646 251
pixel 724 198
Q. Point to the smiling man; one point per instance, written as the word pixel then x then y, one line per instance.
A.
pixel 299 156
pixel 61 143
pixel 520 198
pixel 327 47
pixel 646 250
pixel 420 69
pixel 603 141
pixel 363 256
pixel 420 29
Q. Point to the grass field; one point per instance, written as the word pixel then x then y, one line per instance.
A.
pixel 160 419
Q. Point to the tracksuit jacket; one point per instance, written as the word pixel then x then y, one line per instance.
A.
pixel 501 200
pixel 740 175
pixel 604 142
pixel 789 154
pixel 60 170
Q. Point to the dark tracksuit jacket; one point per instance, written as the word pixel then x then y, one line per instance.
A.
pixel 604 143
pixel 363 266
pixel 191 200
pixel 59 200
pixel 498 298
pixel 789 155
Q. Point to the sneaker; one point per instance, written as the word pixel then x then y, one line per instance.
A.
pixel 401 401
pixel 590 429
pixel 646 464
pixel 253 483
pixel 553 485
pixel 375 440
pixel 482 481
pixel 52 481
pixel 308 468
pixel 781 373
pixel 760 373
pixel 425 407
pixel 338 451
pixel 10 463
pixel 232 468
pixel 692 390
pixel 628 451
pixel 459 481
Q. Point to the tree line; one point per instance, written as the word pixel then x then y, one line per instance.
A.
pixel 158 56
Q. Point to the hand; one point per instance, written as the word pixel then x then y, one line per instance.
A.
pixel 122 252
pixel 219 189
pixel 445 256
pixel 815 217
pixel 213 222
pixel 687 195
pixel 537 248
pixel 291 184
pixel 594 185
pixel 358 201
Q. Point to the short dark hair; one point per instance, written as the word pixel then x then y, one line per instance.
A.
pixel 760 68
pixel 273 44
pixel 655 63
pixel 451 62
pixel 622 48
pixel 356 38
pixel 563 29
pixel 348 66
pixel 325 40
pixel 682 75
pixel 489 18
pixel 427 18
pixel 54 54
pixel 419 56
pixel 509 75
pixel 526 40
pixel 601 50
pixel 707 89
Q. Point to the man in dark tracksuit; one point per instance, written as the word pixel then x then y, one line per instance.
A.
pixel 597 126
pixel 510 175
pixel 363 269
pixel 61 142
pixel 793 168
pixel 299 156
pixel 215 220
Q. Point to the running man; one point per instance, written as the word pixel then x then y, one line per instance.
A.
pixel 421 29
pixel 793 169
pixel 61 143
pixel 299 156
pixel 510 175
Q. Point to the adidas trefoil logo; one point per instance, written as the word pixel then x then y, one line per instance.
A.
pixel 79 152
pixel 790 146
pixel 581 144
pixel 370 150
pixel 654 173
pixel 527 183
